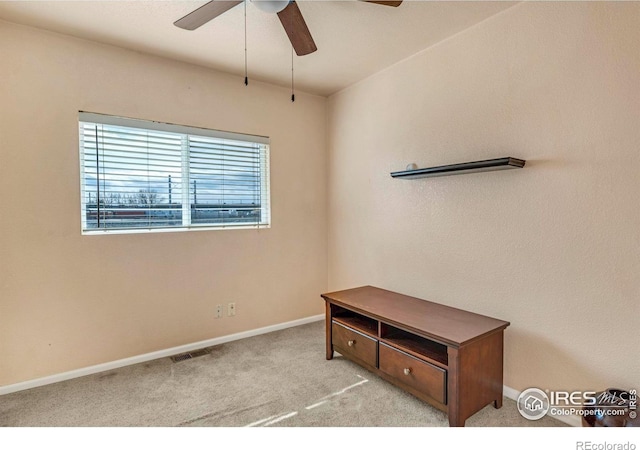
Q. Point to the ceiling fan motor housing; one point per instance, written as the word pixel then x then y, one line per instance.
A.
pixel 271 6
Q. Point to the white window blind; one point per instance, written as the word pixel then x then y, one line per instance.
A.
pixel 139 175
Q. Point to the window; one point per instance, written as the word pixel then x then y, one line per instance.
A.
pixel 144 176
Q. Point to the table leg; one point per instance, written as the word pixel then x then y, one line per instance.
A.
pixel 328 331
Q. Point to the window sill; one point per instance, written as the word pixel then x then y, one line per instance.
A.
pixel 102 232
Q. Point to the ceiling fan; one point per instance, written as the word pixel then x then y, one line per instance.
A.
pixel 287 10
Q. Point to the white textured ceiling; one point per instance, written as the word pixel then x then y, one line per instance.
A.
pixel 354 39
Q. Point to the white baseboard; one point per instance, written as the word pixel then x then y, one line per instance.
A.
pixel 8 389
pixel 513 394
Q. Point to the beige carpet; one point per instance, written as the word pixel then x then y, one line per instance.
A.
pixel 279 379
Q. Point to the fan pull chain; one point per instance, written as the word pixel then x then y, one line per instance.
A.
pixel 246 77
pixel 293 95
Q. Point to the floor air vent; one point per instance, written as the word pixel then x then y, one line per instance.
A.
pixel 189 355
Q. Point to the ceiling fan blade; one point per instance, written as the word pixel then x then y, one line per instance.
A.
pixel 297 30
pixel 394 4
pixel 204 14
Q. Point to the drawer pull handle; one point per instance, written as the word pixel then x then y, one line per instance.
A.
pixel 351 343
pixel 407 371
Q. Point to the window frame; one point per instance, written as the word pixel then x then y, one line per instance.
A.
pixel 185 160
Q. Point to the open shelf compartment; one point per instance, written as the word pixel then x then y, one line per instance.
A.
pixel 413 344
pixel 355 321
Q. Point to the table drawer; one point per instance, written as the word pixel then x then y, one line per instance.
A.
pixel 351 343
pixel 420 375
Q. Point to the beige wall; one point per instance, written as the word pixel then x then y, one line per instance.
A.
pixel 70 301
pixel 555 247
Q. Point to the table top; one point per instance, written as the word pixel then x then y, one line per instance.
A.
pixel 446 324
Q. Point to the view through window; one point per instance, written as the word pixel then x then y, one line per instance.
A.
pixel 139 175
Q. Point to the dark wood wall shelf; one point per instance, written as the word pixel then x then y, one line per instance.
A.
pixel 468 167
pixel 450 358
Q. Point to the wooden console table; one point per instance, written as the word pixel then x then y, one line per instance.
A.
pixel 450 358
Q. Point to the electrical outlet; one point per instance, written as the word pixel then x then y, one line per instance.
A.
pixel 231 309
pixel 218 311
